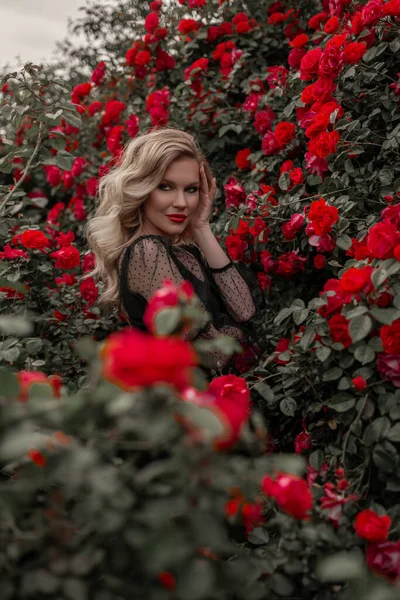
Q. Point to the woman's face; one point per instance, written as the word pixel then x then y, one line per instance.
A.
pixel 177 194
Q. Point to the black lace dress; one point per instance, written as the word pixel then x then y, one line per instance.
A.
pixel 229 293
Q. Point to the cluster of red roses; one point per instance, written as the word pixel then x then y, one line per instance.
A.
pixel 67 257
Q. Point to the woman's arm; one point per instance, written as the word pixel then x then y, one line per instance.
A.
pixel 234 289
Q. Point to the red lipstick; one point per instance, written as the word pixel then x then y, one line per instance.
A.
pixel 177 218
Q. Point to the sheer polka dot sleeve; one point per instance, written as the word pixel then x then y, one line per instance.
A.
pixel 235 291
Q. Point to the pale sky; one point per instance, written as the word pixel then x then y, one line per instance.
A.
pixel 30 28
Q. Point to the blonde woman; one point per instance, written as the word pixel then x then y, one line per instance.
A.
pixel 152 224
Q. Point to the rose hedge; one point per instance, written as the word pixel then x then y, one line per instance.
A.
pixel 296 106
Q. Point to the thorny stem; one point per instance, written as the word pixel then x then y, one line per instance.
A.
pixel 26 170
pixel 348 432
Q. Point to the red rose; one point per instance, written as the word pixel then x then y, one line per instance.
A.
pixel 228 397
pixel 309 64
pixel 243 27
pixel 89 290
pixel 317 19
pixel 291 494
pixel 299 41
pixel 359 384
pixel 302 442
pixel 235 246
pixel 331 62
pixel 372 12
pixel 382 239
pixel 167 580
pixel 281 347
pixel 388 366
pixel 142 58
pixel 322 89
pixel 284 133
pixel 264 281
pixel 354 52
pixel 186 26
pixel 372 527
pixel 33 238
pixel 384 559
pixel 37 457
pixel 295 56
pixel 319 261
pixel 391 8
pixel 94 107
pixel 66 258
pixel 339 330
pixel 27 378
pixel 169 295
pixel 133 359
pixel 290 263
pixel 151 22
pixel 356 280
pixel 324 144
pixel 53 175
pixel 320 123
pixel 269 144
pixel 359 249
pixel 390 336
pixel 331 25
pixel 242 159
pixel 263 120
pixel 292 227
pixel 234 194
pixel 322 216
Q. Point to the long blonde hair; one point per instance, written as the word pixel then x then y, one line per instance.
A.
pixel 122 193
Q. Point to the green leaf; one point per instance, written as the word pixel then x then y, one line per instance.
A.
pixel 344 242
pixel 332 374
pixel 342 402
pixel 344 566
pixel 316 459
pixel 360 327
pixel 385 176
pixel 282 315
pixel 364 354
pixel 258 536
pixel 300 315
pixel 376 431
pixel 284 181
pixel 385 315
pixel 385 457
pixel 197 580
pixel 265 391
pixel 9 386
pixel 167 320
pixel 323 352
pixel 288 406
pixel 393 435
pixel 378 277
pixel 307 338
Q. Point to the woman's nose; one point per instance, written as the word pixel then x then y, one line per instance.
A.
pixel 179 198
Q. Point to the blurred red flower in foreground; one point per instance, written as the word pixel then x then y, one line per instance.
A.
pixel 134 359
pixel 291 493
pixel 372 527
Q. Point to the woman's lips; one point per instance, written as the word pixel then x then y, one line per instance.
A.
pixel 176 219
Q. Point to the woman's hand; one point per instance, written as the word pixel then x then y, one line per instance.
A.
pixel 208 189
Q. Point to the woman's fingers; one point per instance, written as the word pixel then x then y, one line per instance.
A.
pixel 204 182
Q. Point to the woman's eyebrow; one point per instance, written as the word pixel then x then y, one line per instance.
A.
pixel 173 182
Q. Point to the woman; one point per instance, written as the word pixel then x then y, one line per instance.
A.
pixel 152 224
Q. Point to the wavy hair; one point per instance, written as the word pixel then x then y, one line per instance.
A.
pixel 121 195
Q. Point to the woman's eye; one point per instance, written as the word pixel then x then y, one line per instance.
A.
pixel 193 190
pixel 162 186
